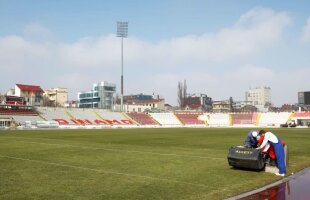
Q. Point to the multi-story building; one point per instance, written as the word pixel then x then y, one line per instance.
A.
pixel 101 96
pixel 141 103
pixel 304 98
pixel 260 96
pixel 138 97
pixel 304 101
pixel 145 105
pixel 198 102
pixel 31 93
pixel 239 106
pixel 57 96
pixel 221 106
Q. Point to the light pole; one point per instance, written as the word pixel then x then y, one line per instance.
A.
pixel 122 32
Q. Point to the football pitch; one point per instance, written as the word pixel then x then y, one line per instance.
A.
pixel 176 163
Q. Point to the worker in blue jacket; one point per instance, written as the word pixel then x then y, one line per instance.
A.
pixel 251 139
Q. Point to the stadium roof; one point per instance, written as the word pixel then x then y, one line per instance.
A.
pixel 29 87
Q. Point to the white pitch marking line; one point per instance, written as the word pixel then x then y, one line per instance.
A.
pixel 128 151
pixel 103 171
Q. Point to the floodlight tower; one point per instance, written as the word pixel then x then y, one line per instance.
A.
pixel 122 32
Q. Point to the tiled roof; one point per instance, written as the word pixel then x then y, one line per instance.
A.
pixel 29 87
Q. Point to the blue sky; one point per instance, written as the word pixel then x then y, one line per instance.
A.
pixel 222 48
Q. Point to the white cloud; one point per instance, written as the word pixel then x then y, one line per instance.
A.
pixel 159 66
pixel 90 52
pixel 306 32
pixel 37 33
pixel 254 32
pixel 16 53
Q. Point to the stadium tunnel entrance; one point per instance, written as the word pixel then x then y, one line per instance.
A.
pixel 5 122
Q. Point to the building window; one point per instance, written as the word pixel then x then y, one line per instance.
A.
pixel 108 88
pixel 37 99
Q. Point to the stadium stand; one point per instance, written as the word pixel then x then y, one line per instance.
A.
pixel 56 114
pixel 243 119
pixel 22 119
pixel 190 119
pixel 115 118
pixel 273 119
pixel 301 114
pixel 17 112
pixel 98 118
pixel 301 118
pixel 166 119
pixel 83 114
pixel 86 117
pixel 218 119
pixel 142 118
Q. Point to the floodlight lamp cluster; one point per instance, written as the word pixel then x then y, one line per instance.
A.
pixel 122 29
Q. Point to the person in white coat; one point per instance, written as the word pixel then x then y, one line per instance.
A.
pixel 273 140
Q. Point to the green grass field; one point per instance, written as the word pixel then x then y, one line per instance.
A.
pixel 133 163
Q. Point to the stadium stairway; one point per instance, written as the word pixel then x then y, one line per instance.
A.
pixel 181 122
pixel 129 118
pixel 290 117
pixel 71 116
pixel 42 117
pixel 157 123
pixel 258 118
pixel 230 120
pixel 99 117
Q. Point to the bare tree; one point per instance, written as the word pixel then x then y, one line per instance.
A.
pixel 182 91
pixel 2 99
pixel 180 94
